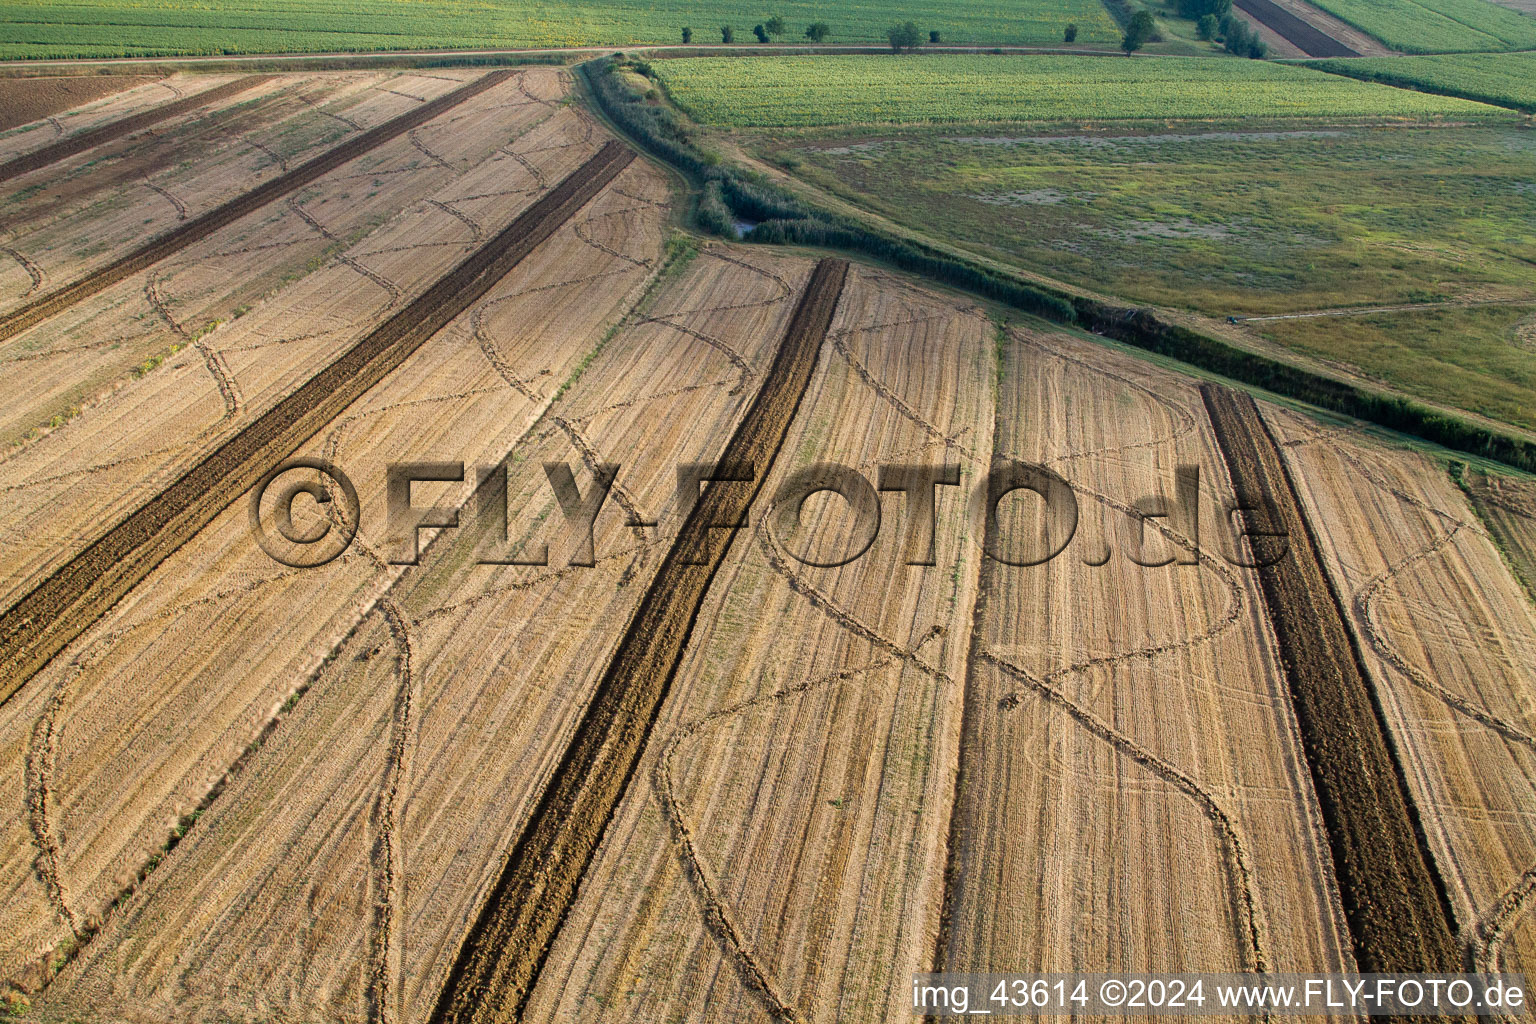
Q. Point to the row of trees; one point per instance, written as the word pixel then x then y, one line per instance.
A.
pixel 902 37
pixel 1213 20
pixel 773 28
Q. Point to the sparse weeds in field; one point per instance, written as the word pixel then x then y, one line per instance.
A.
pixel 154 361
pixel 14 1005
pixel 677 253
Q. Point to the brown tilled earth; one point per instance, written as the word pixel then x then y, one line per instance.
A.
pixel 33 99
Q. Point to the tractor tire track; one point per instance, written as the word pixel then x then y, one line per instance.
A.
pixel 32 269
pixel 1240 874
pixel 205 224
pixel 76 144
pixel 42 752
pixel 1482 940
pixel 276 157
pixel 476 232
pixel 56 611
pixel 223 379
pixel 1234 857
pixel 390 867
pixel 313 105
pixel 168 196
pixel 503 954
pixel 717 916
pixel 421 147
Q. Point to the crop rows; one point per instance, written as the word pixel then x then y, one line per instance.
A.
pixel 105 29
pixel 1505 79
pixel 807 91
pixel 1437 26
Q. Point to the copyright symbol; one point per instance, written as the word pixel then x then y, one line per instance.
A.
pixel 1112 992
pixel 329 527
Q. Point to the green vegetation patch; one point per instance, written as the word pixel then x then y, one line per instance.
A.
pixel 1505 79
pixel 1437 26
pixel 947 88
pixel 1243 221
pixel 1478 358
pixel 48 28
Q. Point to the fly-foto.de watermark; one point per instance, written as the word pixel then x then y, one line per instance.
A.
pixel 909 494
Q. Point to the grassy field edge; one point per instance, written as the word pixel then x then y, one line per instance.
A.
pixel 728 194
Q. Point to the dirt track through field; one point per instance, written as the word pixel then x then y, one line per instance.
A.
pixel 40 624
pixel 503 953
pixel 1397 915
pixel 221 216
pixel 1310 39
pixel 116 129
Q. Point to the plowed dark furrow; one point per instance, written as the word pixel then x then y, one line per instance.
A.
pixel 57 151
pixel 39 625
pixel 1310 39
pixel 198 228
pixel 504 952
pixel 1398 916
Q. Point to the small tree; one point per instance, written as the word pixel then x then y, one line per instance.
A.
pixel 687 35
pixel 1205 28
pixel 818 32
pixel 775 26
pixel 761 33
pixel 1258 49
pixel 1236 37
pixel 1070 35
pixel 726 34
pixel 933 35
pixel 904 37
pixel 1138 32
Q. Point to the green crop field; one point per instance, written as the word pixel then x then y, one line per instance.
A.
pixel 1238 220
pixel 810 91
pixel 162 27
pixel 1508 79
pixel 1437 26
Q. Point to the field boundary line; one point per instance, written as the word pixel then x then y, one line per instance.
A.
pixel 73 145
pixel 59 609
pixel 203 225
pixel 503 953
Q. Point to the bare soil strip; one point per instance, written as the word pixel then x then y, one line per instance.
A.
pixel 1312 40
pixel 503 953
pixel 201 227
pixel 40 624
pixel 115 129
pixel 1396 909
pixel 23 100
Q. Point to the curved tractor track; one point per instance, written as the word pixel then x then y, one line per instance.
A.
pixel 1482 939
pixel 54 613
pixel 74 144
pixel 1399 920
pixel 1235 857
pixel 504 952
pixel 200 227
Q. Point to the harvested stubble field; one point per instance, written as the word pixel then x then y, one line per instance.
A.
pixel 1138 719
pixel 1449 638
pixel 768 786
